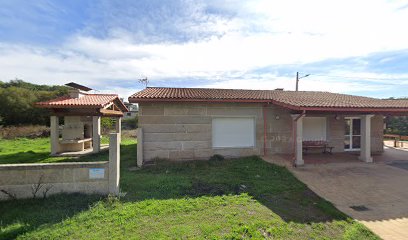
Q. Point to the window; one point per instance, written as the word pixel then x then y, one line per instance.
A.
pixel 233 132
pixel 352 137
pixel 314 129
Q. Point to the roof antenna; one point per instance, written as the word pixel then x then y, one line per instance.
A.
pixel 144 80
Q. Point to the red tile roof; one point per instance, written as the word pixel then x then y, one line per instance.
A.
pixel 85 101
pixel 300 100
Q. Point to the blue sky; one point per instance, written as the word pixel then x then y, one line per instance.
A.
pixel 354 47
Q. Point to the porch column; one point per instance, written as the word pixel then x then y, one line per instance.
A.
pixel 298 138
pixel 96 133
pixel 118 126
pixel 54 127
pixel 365 149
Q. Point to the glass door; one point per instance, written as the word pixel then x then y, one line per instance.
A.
pixel 352 137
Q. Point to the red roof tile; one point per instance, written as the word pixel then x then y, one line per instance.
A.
pixel 291 99
pixel 85 101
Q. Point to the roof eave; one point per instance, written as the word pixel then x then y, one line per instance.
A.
pixel 146 100
pixel 68 106
pixel 355 109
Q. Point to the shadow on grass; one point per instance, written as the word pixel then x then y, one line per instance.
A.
pixel 44 157
pixel 24 157
pixel 273 186
pixel 19 217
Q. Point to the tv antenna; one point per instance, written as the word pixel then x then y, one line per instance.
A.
pixel 144 80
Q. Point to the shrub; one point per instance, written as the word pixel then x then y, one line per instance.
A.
pixel 107 125
pixel 130 123
pixel 28 131
pixel 216 157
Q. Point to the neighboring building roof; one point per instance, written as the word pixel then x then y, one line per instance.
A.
pixel 301 100
pixel 78 86
pixel 85 101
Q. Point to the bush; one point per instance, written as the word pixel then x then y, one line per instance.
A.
pixel 216 157
pixel 107 125
pixel 130 123
pixel 29 131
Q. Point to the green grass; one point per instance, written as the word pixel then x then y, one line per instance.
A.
pixel 23 150
pixel 229 199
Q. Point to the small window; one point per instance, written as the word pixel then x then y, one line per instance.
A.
pixel 233 132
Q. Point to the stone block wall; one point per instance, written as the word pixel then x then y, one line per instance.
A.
pixel 377 134
pixel 336 131
pixel 279 130
pixel 183 131
pixel 18 179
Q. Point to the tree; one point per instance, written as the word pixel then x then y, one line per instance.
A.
pixel 17 100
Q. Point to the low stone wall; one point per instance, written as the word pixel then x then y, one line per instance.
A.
pixel 43 179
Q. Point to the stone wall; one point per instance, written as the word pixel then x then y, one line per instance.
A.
pixel 279 130
pixel 182 131
pixel 377 134
pixel 336 130
pixel 19 180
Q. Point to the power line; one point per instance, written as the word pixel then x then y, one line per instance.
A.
pixel 358 78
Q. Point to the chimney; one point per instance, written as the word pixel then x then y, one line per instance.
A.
pixel 76 90
pixel 75 93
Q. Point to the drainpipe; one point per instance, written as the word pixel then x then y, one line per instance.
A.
pixel 294 136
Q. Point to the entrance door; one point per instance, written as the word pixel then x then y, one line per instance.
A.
pixel 352 137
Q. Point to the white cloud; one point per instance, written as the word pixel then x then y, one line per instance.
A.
pixel 261 33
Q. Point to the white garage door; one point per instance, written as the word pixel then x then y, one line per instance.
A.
pixel 314 128
pixel 233 132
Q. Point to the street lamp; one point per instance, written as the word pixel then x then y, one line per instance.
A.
pixel 297 79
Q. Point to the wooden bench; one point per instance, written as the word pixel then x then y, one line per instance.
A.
pixel 307 145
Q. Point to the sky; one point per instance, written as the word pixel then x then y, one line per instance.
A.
pixel 347 46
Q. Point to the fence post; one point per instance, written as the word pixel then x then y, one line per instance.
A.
pixel 139 147
pixel 114 163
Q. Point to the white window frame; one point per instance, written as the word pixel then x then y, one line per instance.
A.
pixel 230 117
pixel 351 134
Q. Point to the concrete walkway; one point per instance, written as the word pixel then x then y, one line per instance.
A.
pixel 379 189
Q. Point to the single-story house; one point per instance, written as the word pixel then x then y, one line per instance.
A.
pixel 196 123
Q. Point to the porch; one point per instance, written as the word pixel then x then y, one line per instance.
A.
pixel 390 155
pixel 350 135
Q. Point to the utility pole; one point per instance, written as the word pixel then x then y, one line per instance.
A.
pixel 297 79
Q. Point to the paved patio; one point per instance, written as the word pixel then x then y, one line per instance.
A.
pixel 380 189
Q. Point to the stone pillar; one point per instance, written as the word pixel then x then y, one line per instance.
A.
pixel 118 126
pixel 54 128
pixel 365 149
pixel 96 133
pixel 114 164
pixel 139 134
pixel 298 128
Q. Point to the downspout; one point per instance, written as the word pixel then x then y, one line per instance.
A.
pixel 294 136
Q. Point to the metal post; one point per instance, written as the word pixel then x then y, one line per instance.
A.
pixel 297 81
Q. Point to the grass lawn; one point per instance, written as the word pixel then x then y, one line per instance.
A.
pixel 25 150
pixel 229 199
